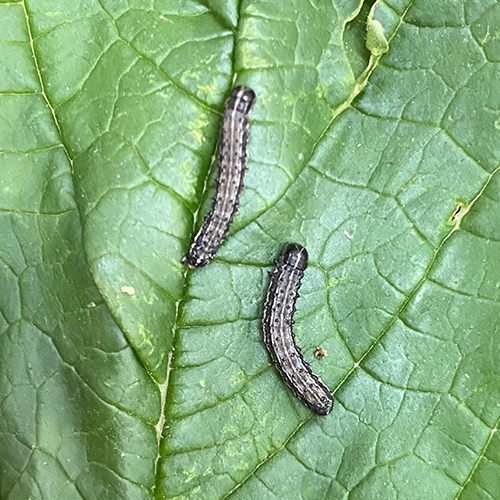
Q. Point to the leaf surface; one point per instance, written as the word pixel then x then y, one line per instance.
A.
pixel 125 375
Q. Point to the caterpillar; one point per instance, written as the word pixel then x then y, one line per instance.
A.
pixel 232 167
pixel 279 338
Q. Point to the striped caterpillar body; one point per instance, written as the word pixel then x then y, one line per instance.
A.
pixel 231 170
pixel 278 334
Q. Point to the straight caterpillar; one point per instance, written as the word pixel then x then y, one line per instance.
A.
pixel 232 167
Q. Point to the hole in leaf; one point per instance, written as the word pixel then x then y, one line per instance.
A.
pixel 457 214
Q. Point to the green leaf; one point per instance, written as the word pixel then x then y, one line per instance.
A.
pixel 375 142
pixel 376 42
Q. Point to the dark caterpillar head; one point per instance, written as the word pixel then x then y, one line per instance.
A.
pixel 294 255
pixel 242 99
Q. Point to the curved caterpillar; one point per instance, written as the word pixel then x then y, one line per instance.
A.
pixel 231 170
pixel 278 334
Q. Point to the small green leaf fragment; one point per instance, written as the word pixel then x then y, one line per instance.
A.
pixel 376 42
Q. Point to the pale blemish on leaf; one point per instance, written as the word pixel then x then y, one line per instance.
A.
pixel 198 128
pixel 129 290
pixel 236 379
pixel 190 475
pixel 144 335
pixel 289 99
pixel 333 282
pixel 241 465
